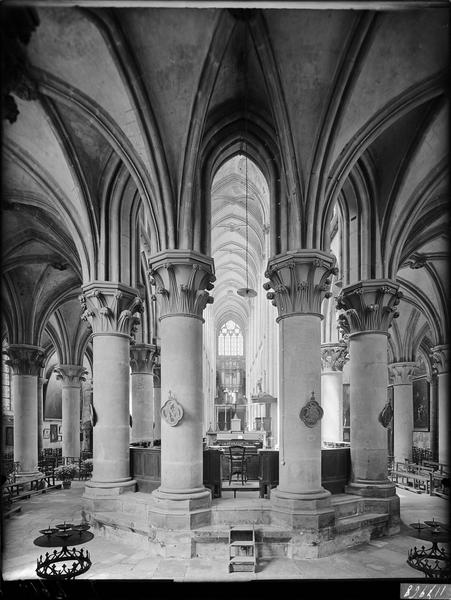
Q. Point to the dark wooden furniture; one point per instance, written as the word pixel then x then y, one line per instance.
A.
pixel 268 476
pixel 212 471
pixel 237 463
pixel 335 469
pixel 145 467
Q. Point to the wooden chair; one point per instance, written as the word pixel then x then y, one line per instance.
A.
pixel 238 465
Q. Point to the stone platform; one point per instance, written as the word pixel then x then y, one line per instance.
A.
pixel 356 520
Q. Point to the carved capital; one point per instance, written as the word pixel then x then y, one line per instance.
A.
pixel 70 375
pixel 142 358
pixel 401 373
pixel 368 306
pixel 111 308
pixel 182 279
pixel 334 356
pixel 440 358
pixel 300 281
pixel 25 359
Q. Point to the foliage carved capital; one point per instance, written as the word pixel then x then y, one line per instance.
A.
pixel 142 358
pixel 440 358
pixel 70 375
pixel 334 356
pixel 368 306
pixel 300 280
pixel 182 280
pixel 401 373
pixel 25 359
pixel 111 308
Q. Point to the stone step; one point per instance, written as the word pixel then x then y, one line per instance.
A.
pixel 346 505
pixel 360 521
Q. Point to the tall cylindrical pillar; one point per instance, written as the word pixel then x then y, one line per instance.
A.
pixel 181 452
pixel 41 382
pixel 26 362
pixel 368 309
pixel 440 357
pixel 157 400
pixel 333 358
pixel 112 311
pixel 141 360
pixel 401 375
pixel 181 278
pixel 300 281
pixel 71 377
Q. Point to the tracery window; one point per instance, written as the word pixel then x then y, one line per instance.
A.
pixel 230 340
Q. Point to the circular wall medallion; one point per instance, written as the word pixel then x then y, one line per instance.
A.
pixel 311 412
pixel 386 415
pixel 172 411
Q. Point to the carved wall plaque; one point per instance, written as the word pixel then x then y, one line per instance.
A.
pixel 172 411
pixel 386 415
pixel 311 412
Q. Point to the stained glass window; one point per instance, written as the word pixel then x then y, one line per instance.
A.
pixel 230 340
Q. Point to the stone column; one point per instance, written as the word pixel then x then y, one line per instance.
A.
pixel 141 363
pixel 71 377
pixel 333 357
pixel 433 386
pixel 41 382
pixel 300 280
pixel 157 398
pixel 86 418
pixel 401 377
pixel 440 358
pixel 182 279
pixel 112 310
pixel 369 307
pixel 26 362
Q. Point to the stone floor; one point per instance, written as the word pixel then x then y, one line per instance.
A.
pixel 381 559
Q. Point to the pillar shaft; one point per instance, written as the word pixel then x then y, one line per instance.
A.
pixel 333 357
pixel 181 369
pixel 368 310
pixel 156 402
pixel 443 418
pixel 112 310
pixel 300 446
pixel 401 378
pixel 300 281
pixel 332 404
pixel 71 377
pixel 111 390
pixel 141 361
pixel 26 362
pixel 368 396
pixel 440 358
pixel 24 395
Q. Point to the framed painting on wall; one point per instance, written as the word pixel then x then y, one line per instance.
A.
pixel 420 390
pixel 46 434
pixel 9 436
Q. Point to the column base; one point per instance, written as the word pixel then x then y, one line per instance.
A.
pixel 108 489
pixel 310 511
pixel 373 489
pixel 187 510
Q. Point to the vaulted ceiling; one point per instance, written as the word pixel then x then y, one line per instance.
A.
pixel 127 115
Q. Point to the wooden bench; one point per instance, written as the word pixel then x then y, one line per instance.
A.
pixel 20 490
pixel 412 473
